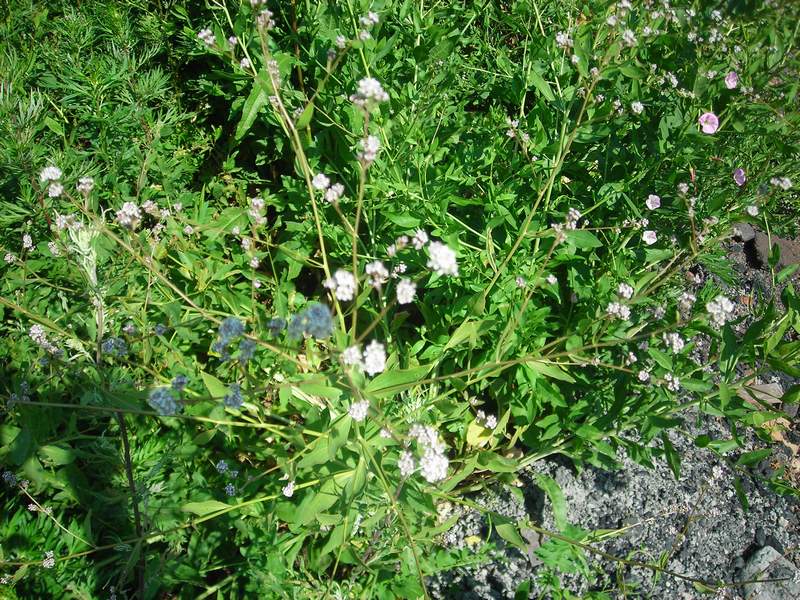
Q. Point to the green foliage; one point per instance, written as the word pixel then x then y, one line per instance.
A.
pixel 281 469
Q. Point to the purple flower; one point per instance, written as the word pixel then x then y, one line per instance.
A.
pixel 739 177
pixel 709 122
pixel 731 80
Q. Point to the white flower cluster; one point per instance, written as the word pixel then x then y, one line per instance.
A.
pixel 207 36
pixel 49 560
pixel 369 19
pixel 628 38
pixel 332 193
pixel 377 273
pixel 38 335
pixel 265 21
pixel 67 222
pixel 433 463
pixel 637 107
pixel 625 291
pixel 406 463
pixel 372 360
pixel 406 289
pixel 487 421
pixel 442 259
pixel 85 185
pixel 686 301
pixel 620 311
pixel 256 211
pixel 721 310
pixel 344 285
pixel 358 410
pixel 370 93
pixel 50 174
pixel 673 383
pixel 129 216
pixel 782 182
pixel 674 342
pixel 563 40
pixel 368 150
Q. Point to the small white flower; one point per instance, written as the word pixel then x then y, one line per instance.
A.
pixel 334 193
pixel 49 561
pixel 406 289
pixel 637 107
pixel 752 210
pixel 420 239
pixel 358 410
pixel 53 249
pixel 129 215
pixel 207 36
pixel 369 148
pixel 406 463
pixel 433 465
pixel 628 38
pixel 27 242
pixel 85 185
pixel 351 356
pixel 55 189
pixel 615 309
pixel 625 290
pixel 288 489
pixel 575 59
pixel 674 342
pixel 442 259
pixel 551 279
pixel 344 285
pixel 644 376
pixel 683 188
pixel 649 237
pixel 673 383
pixel 378 273
pixel 563 40
pixel 721 310
pixel 653 202
pixel 320 182
pixel 254 262
pixel 374 358
pixel 245 63
pixel 50 174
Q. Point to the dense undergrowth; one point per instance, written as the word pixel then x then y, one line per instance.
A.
pixel 269 300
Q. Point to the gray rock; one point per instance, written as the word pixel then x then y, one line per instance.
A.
pixel 790 250
pixel 744 231
pixel 767 563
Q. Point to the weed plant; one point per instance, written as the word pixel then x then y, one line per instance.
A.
pixel 283 279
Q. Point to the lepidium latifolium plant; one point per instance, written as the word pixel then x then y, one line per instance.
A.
pixel 431 245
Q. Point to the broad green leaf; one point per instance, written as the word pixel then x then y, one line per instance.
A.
pixel 204 508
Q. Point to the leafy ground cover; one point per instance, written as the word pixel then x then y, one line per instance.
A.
pixel 281 280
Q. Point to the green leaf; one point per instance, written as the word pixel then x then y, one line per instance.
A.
pixel 535 78
pixel 509 533
pixel 583 239
pixel 258 98
pixel 751 458
pixel 392 382
pixel 216 389
pixel 673 459
pixel 551 370
pixel 559 504
pixel 204 508
pixel 316 502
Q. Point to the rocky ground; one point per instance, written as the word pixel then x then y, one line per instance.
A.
pixel 696 524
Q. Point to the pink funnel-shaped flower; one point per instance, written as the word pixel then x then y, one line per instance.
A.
pixel 709 122
pixel 731 80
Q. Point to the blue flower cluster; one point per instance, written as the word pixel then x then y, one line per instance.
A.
pixel 163 401
pixel 230 329
pixel 234 398
pixel 316 321
pixel 114 346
